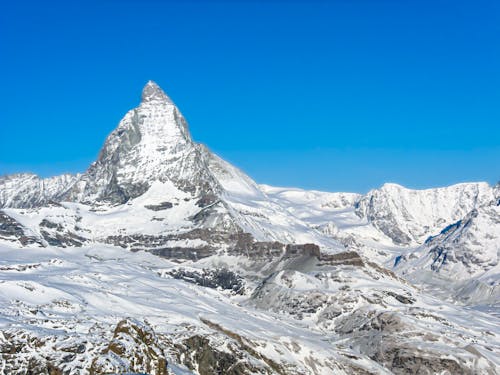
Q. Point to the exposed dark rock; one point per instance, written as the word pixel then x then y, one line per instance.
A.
pixel 50 225
pixel 185 253
pixel 63 239
pixel 238 243
pixel 201 355
pixel 20 267
pixel 410 361
pixel 11 230
pixel 203 214
pixel 346 258
pixel 207 200
pixel 401 298
pixel 76 348
pixel 238 358
pixel 245 245
pixel 159 207
pixel 212 278
pixel 386 321
pixel 39 366
pixel 133 348
pixel 307 249
pixel 17 357
pixel 10 227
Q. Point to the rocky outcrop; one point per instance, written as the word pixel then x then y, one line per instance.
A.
pixel 159 207
pixel 391 340
pixel 238 357
pixel 19 354
pixel 13 231
pixel 133 348
pixel 56 235
pixel 346 258
pixel 219 278
pixel 203 357
pixel 471 245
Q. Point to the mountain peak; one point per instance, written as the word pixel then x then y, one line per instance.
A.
pixel 152 93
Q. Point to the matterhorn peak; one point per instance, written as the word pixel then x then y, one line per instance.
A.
pixel 153 93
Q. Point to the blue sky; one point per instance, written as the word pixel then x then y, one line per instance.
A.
pixel 332 95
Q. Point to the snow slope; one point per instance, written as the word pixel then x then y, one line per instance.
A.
pixel 300 318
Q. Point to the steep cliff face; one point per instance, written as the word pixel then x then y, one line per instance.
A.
pixel 151 143
pixel 408 216
pixel 464 257
pixel 468 247
pixel 26 190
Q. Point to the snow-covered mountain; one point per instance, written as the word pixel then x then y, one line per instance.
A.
pixel 446 238
pixel 164 258
pixel 27 190
pixel 465 257
pixel 151 178
pixel 151 143
pixel 408 216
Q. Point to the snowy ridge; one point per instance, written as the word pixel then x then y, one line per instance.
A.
pixel 259 215
pixel 26 190
pixel 410 216
pixel 465 253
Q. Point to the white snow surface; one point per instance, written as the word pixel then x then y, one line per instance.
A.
pixel 71 291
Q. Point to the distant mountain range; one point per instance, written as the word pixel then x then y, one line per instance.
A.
pixel 163 258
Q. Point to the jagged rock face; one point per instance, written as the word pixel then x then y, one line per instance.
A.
pixel 408 216
pixel 220 278
pixel 466 253
pixel 391 339
pixel 133 348
pixel 13 231
pixel 469 247
pixel 56 235
pixel 151 143
pixel 28 190
pixel 204 357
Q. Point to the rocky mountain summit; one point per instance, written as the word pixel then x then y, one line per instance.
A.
pixel 162 258
pixel 151 143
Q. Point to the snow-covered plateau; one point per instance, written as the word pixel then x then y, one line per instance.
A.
pixel 162 258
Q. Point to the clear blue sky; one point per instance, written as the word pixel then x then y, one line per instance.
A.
pixel 332 95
